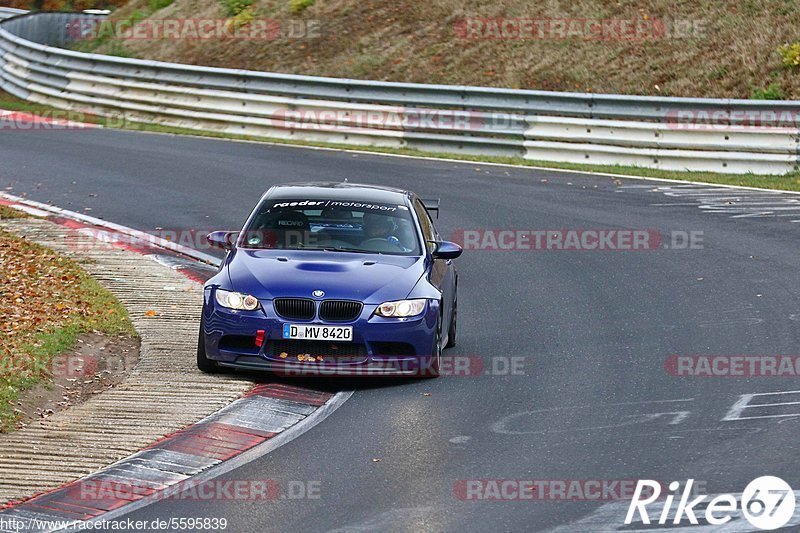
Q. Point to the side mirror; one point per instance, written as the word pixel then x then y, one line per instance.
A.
pixel 225 240
pixel 447 250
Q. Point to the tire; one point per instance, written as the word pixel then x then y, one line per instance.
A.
pixel 432 370
pixel 206 365
pixel 451 331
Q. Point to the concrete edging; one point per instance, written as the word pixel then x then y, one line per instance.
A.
pixel 166 422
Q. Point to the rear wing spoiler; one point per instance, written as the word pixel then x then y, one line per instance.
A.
pixel 431 205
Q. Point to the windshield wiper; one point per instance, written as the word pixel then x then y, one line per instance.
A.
pixel 337 249
pixel 346 249
pixel 301 246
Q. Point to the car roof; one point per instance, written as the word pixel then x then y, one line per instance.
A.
pixel 356 192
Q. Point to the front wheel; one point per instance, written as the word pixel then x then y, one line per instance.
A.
pixel 432 370
pixel 205 364
pixel 451 331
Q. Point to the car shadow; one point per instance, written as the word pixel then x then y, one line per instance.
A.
pixel 332 384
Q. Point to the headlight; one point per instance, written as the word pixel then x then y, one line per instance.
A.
pixel 401 308
pixel 236 300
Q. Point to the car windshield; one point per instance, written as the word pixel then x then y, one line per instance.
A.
pixel 333 225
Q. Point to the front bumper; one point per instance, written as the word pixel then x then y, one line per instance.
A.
pixel 380 346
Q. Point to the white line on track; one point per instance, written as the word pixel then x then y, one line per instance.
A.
pixel 741 204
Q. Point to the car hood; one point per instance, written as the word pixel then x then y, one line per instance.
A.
pixel 370 278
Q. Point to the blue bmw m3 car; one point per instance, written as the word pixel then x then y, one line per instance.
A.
pixel 332 279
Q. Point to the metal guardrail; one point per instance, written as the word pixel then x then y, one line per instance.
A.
pixel 719 135
pixel 7 12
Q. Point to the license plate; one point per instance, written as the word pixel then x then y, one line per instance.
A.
pixel 318 333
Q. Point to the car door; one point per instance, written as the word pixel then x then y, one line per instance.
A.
pixel 442 272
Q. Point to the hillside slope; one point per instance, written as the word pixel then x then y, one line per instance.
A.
pixel 681 47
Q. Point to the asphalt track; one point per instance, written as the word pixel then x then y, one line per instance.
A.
pixel 592 401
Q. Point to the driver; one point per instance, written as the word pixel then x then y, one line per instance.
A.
pixel 378 227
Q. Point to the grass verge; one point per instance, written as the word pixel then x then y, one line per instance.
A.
pixel 46 302
pixel 787 182
pixel 650 47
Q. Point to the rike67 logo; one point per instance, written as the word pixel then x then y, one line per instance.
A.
pixel 768 503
